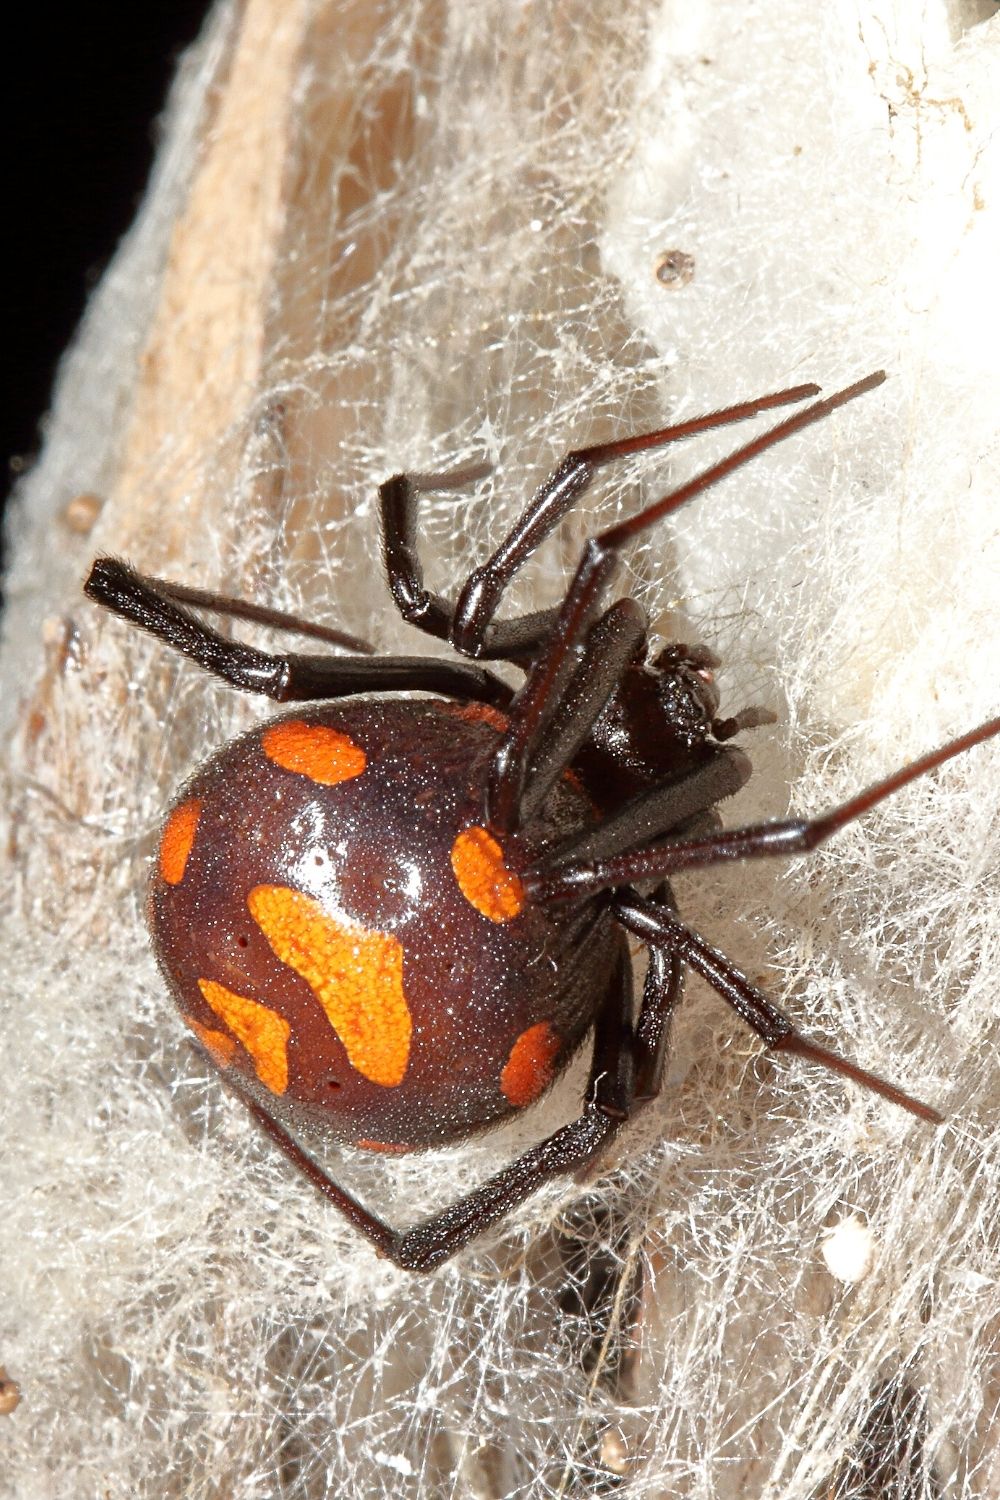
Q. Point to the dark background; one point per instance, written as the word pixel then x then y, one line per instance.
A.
pixel 84 84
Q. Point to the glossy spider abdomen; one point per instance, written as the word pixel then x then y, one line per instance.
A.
pixel 340 931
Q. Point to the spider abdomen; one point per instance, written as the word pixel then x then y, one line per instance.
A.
pixel 338 927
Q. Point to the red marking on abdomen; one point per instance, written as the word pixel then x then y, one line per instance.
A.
pixel 355 973
pixel 483 878
pixel 220 1047
pixel 478 713
pixel 177 840
pixel 262 1031
pixel 529 1068
pixel 315 750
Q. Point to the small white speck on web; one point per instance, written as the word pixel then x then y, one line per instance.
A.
pixel 849 1248
pixel 396 1462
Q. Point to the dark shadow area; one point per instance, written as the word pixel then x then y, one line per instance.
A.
pixel 83 85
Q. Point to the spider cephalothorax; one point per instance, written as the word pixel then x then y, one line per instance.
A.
pixel 401 917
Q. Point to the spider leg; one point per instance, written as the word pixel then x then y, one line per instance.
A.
pixel 537 699
pixel 288 678
pixel 564 870
pixel 469 624
pixel 654 924
pixel 260 614
pixel 661 992
pixel 566 874
pixel 571 1148
pixel 614 641
pixel 419 606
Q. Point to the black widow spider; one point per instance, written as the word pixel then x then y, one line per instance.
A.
pixel 401 918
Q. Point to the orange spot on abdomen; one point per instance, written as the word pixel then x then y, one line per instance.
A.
pixel 178 840
pixel 217 1044
pixel 355 973
pixel 477 713
pixel 529 1068
pixel 483 878
pixel 262 1031
pixel 315 750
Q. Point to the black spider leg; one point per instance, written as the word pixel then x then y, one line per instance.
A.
pixel 260 614
pixel 661 992
pixel 288 678
pixel 626 1070
pixel 538 698
pixel 671 809
pixel 615 640
pixel 469 624
pixel 587 865
pixel 655 925
pixel 601 1248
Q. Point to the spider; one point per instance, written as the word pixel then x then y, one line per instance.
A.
pixel 400 917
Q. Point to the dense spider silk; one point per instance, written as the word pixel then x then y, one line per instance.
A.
pixel 185 1318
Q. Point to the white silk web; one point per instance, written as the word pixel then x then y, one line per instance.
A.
pixel 409 235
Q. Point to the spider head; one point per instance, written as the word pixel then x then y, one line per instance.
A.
pixel 657 727
pixel 686 691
